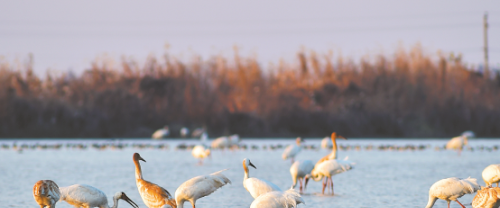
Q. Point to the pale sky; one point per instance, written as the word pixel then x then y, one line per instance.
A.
pixel 67 35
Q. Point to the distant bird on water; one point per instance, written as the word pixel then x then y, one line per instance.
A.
pixel 487 197
pixel 491 174
pixel 278 199
pixel 46 193
pixel 199 187
pixel 81 195
pixel 458 143
pixel 160 133
pixel 450 189
pixel 152 195
pixel 292 150
pixel 201 151
pixel 184 132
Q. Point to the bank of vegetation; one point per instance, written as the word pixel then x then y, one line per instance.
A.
pixel 407 94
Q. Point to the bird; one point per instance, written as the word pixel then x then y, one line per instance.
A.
pixel 450 189
pixel 292 150
pixel 160 133
pixel 299 170
pixel 458 143
pixel 326 170
pixel 184 132
pixel 198 187
pixel 277 199
pixel 152 195
pixel 333 154
pixel 225 141
pixel 256 186
pixel 81 195
pixel 46 193
pixel 198 131
pixel 200 151
pixel 325 143
pixel 487 197
pixel 491 174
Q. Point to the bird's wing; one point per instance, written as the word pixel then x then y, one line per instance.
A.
pixel 451 188
pixel 486 197
pixel 82 193
pixel 289 198
pixel 257 187
pixel 201 186
pixel 154 195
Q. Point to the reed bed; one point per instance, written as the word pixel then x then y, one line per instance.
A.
pixel 408 94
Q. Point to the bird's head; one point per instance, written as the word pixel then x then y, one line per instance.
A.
pixel 137 157
pixel 335 136
pixel 121 195
pixel 246 163
pixel 299 140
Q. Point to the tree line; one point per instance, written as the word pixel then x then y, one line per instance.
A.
pixel 407 94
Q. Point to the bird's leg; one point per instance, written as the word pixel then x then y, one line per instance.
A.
pixel 331 181
pixel 300 188
pixel 448 204
pixel 324 184
pixel 460 204
pixel 497 184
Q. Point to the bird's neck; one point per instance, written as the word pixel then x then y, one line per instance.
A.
pixel 334 147
pixel 246 172
pixel 115 203
pixel 180 204
pixel 138 171
pixel 431 202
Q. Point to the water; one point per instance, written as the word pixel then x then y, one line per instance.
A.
pixel 379 179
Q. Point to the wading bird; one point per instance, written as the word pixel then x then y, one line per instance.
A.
pixel 278 199
pixel 199 187
pixel 333 154
pixel 487 197
pixel 81 195
pixel 152 195
pixel 200 151
pixel 458 143
pixel 255 186
pixel 46 193
pixel 292 150
pixel 326 170
pixel 160 133
pixel 450 189
pixel 491 174
pixel 299 170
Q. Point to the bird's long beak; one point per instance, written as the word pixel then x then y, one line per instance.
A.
pixel 132 203
pixel 250 163
pixel 305 183
pixel 140 158
pixel 341 137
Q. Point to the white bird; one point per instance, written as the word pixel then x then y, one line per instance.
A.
pixel 326 170
pixel 292 150
pixel 325 143
pixel 278 199
pixel 197 132
pixel 184 131
pixel 225 142
pixel 198 187
pixel 299 170
pixel 458 143
pixel 487 197
pixel 450 189
pixel 81 195
pixel 491 174
pixel 333 154
pixel 152 195
pixel 255 186
pixel 160 133
pixel 46 193
pixel 200 151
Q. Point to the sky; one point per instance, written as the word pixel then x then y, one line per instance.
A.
pixel 68 35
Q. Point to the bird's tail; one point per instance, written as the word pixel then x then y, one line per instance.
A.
pixel 293 198
pixel 470 184
pixel 220 178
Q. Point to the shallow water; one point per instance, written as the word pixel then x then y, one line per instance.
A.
pixel 379 179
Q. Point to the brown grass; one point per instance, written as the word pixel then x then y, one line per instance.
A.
pixel 409 94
